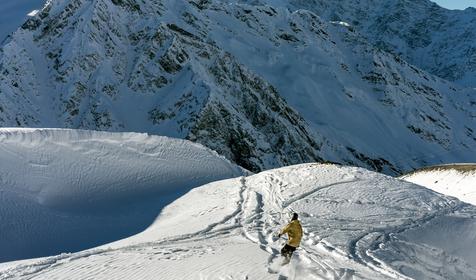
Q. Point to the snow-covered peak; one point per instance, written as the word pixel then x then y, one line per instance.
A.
pixel 263 86
pixel 64 190
pixel 13 13
pixel 357 225
pixel 454 180
pixel 436 39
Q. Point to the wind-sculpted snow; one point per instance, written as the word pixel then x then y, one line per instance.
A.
pixel 262 86
pixel 357 225
pixel 458 180
pixel 66 190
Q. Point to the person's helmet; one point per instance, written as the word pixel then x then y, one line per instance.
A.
pixel 295 216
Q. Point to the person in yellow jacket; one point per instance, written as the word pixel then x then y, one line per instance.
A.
pixel 294 231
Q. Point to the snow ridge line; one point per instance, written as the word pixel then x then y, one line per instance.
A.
pixel 54 261
pixel 254 215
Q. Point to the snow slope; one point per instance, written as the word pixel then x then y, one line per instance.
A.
pixel 67 190
pixel 264 86
pixel 454 180
pixel 437 40
pixel 358 225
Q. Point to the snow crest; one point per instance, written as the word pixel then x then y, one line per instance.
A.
pixel 454 180
pixel 63 190
pixel 357 225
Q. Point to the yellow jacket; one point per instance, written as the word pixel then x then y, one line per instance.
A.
pixel 294 231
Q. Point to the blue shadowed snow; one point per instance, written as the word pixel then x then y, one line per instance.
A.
pixel 14 12
pixel 69 190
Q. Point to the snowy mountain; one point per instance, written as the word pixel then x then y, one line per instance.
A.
pixel 357 225
pixel 263 86
pixel 68 190
pixel 15 13
pixel 440 41
pixel 453 180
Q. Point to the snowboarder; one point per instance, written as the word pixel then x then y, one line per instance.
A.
pixel 294 231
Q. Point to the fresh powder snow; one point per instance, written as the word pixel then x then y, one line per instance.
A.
pixel 68 190
pixel 384 85
pixel 357 225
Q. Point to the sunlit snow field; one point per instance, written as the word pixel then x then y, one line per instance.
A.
pixel 358 224
pixel 78 204
pixel 453 180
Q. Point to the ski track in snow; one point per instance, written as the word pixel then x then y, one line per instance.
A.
pixel 359 252
pixel 257 217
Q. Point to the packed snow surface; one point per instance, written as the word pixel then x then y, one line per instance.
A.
pixel 454 180
pixel 357 225
pixel 68 190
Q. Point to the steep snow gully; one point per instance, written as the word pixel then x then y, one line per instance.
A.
pixel 358 225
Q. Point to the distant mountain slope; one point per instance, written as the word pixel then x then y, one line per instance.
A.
pixel 357 225
pixel 455 180
pixel 440 41
pixel 262 86
pixel 14 13
pixel 68 190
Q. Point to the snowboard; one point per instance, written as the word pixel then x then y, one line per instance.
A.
pixel 277 263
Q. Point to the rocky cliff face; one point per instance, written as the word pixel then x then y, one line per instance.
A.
pixel 263 86
pixel 121 65
pixel 440 41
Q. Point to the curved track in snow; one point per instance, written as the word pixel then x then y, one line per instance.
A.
pixel 354 221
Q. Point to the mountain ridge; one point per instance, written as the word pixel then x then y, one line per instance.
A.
pixel 436 39
pixel 265 87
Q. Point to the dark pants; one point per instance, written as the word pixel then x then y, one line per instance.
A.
pixel 287 251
